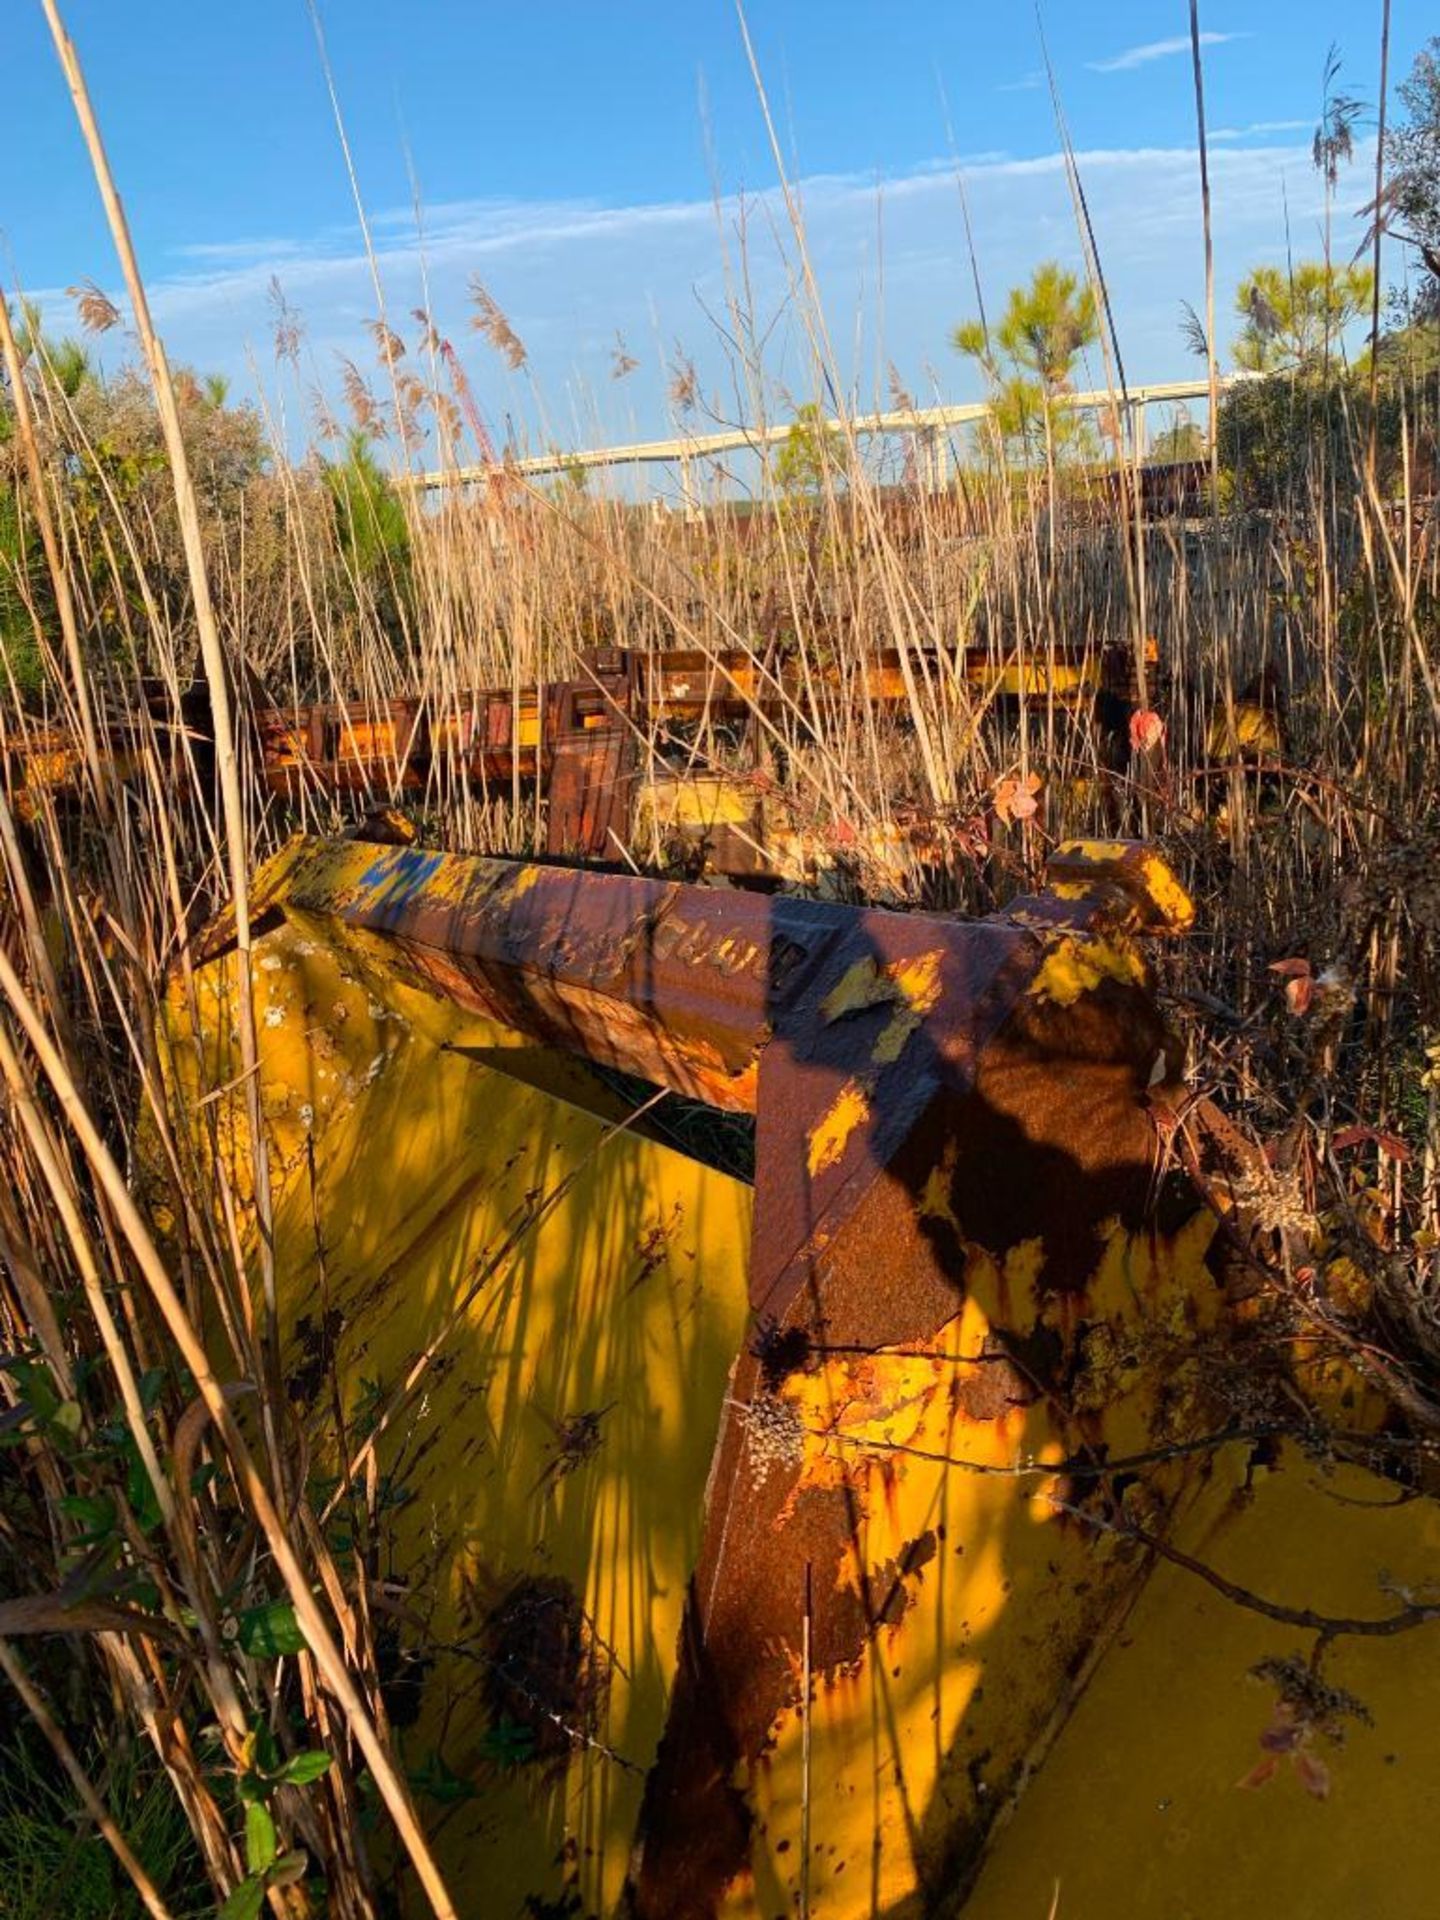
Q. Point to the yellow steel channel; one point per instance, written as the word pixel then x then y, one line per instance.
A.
pixel 542 1491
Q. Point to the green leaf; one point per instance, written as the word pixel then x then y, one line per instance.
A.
pixel 288 1869
pixel 260 1845
pixel 245 1902
pixel 271 1630
pixel 140 1491
pixel 304 1768
pixel 95 1513
pixel 67 1418
pixel 267 1753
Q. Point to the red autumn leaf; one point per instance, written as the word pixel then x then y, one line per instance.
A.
pixel 1389 1145
pixel 1314 1775
pixel 1282 1735
pixel 1023 806
pixel 842 834
pixel 1262 1771
pixel 1147 730
pixel 1017 799
pixel 1299 983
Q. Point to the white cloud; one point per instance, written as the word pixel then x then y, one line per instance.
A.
pixel 1141 56
pixel 1259 127
pixel 892 263
pixel 234 250
pixel 1027 83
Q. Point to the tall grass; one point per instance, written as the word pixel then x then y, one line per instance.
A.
pixel 154 1510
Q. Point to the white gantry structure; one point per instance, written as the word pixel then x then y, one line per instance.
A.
pixel 930 427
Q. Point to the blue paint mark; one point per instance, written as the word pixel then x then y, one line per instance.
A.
pixel 397 873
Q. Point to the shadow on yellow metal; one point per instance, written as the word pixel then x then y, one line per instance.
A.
pixel 543 1496
pixel 817 1571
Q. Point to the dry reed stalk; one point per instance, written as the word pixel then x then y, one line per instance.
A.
pixel 79 688
pixel 216 669
pixel 190 1348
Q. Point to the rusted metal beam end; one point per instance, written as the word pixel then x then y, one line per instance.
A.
pixel 1130 885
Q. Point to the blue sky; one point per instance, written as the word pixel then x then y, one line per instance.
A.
pixel 588 162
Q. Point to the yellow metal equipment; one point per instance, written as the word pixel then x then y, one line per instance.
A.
pixel 951 1524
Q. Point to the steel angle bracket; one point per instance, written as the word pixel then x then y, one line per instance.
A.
pixel 922 1086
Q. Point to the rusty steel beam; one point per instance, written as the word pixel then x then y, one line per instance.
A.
pixel 907 1072
pixel 684 986
pixel 579 738
pixel 829 1544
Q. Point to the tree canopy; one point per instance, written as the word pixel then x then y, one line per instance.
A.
pixel 1409 207
pixel 1029 357
pixel 812 455
pixel 1294 317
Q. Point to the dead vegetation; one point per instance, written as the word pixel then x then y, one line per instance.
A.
pixel 158 1513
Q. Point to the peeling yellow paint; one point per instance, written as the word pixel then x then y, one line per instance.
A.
pixel 1166 891
pixel 890 1043
pixel 861 985
pixel 911 986
pixel 1099 852
pixel 917 981
pixel 1024 1264
pixel 830 1136
pixel 935 1201
pixel 912 983
pixel 1077 966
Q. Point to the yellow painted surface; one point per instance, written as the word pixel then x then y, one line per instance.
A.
pixel 1137 1809
pixel 1099 852
pixel 990 1596
pixel 1035 676
pixel 55 769
pixel 564 1434
pixel 1166 891
pixel 1076 966
pixel 700 802
pixel 562 1444
pixel 1256 731
pixel 1029 1668
pixel 830 1135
